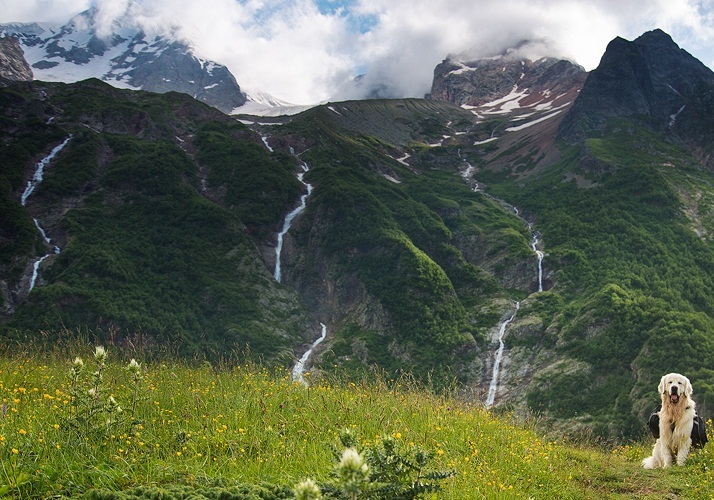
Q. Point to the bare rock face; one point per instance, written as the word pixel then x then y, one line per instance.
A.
pixel 474 83
pixel 650 80
pixel 13 65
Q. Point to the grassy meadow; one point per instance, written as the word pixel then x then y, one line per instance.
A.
pixel 107 427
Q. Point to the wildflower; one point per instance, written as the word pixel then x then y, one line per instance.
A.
pixel 100 354
pixel 307 489
pixel 352 472
pixel 22 431
pixel 77 365
pixel 134 368
pixel 348 438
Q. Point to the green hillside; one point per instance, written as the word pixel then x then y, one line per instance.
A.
pixel 166 213
pixel 240 431
pixel 145 254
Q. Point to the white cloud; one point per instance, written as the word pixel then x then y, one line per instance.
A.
pixel 298 53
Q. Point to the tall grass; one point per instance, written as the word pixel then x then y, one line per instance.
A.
pixel 207 425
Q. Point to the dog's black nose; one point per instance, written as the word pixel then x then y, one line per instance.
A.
pixel 675 389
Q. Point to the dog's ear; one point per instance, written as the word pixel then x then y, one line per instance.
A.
pixel 661 384
pixel 688 389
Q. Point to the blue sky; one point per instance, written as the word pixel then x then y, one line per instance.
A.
pixel 304 51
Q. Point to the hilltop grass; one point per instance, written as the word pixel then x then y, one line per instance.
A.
pixel 187 428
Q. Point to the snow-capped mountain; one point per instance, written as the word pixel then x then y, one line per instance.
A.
pixel 260 103
pixel 127 58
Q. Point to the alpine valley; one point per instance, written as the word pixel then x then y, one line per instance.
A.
pixel 539 235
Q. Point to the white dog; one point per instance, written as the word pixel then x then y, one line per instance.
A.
pixel 676 419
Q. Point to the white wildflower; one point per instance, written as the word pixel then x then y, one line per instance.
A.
pixel 307 489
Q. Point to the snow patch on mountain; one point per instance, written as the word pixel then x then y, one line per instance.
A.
pixel 125 57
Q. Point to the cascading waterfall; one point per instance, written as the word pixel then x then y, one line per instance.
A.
pixel 468 173
pixel 31 185
pixel 493 387
pixel 534 246
pixel 299 368
pixel 291 217
pixel 40 171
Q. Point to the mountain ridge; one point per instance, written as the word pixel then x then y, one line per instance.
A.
pixel 127 57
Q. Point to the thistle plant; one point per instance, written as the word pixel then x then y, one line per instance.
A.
pixel 386 470
pixel 307 489
pixel 352 474
pixel 134 369
pixel 89 412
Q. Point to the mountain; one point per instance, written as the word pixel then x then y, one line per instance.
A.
pixel 127 57
pixel 653 81
pixel 13 65
pixel 550 255
pixel 145 222
pixel 475 83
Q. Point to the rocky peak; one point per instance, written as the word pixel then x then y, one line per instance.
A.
pixel 13 65
pixel 472 83
pixel 649 79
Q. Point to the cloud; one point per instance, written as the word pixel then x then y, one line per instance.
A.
pixel 306 51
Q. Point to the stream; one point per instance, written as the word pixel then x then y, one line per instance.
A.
pixel 540 254
pixel 299 368
pixel 493 387
pixel 31 185
pixel 291 217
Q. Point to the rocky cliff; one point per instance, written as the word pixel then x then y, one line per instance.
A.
pixel 13 65
pixel 653 81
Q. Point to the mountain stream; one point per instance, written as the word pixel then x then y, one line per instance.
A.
pixel 299 368
pixel 291 216
pixel 31 185
pixel 493 386
pixel 298 371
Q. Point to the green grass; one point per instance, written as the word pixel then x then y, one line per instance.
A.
pixel 239 424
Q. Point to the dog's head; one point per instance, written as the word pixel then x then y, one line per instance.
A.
pixel 674 387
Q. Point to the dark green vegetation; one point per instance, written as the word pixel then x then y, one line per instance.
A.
pixel 626 219
pixel 153 250
pixel 166 212
pixel 394 232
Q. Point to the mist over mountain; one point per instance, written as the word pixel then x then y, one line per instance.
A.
pixel 124 56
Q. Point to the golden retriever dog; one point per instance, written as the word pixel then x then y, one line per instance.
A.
pixel 676 419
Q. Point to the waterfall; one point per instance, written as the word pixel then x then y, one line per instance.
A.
pixel 299 368
pixel 40 171
pixel 31 185
pixel 493 387
pixel 468 173
pixel 534 246
pixel 290 218
pixel 265 141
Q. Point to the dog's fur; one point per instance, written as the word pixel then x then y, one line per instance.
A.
pixel 676 419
